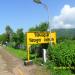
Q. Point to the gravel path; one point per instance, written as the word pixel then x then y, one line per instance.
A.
pixel 3 67
pixel 10 65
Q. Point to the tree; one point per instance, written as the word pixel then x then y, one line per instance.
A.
pixel 9 33
pixel 41 27
pixel 20 35
pixel 37 1
pixel 18 38
pixel 3 38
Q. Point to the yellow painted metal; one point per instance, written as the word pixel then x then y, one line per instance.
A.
pixel 40 37
pixel 28 52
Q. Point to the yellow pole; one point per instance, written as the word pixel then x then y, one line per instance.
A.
pixel 28 52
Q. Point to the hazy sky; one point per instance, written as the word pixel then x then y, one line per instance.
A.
pixel 25 14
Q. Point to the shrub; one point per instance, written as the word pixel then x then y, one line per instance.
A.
pixel 63 54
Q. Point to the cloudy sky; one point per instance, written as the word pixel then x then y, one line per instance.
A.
pixel 25 14
pixel 66 18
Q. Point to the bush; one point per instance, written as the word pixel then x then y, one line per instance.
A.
pixel 54 70
pixel 61 72
pixel 63 54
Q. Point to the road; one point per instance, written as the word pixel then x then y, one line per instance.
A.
pixel 10 65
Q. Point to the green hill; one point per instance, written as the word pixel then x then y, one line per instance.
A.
pixel 68 33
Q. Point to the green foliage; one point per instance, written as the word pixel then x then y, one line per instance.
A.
pixel 55 70
pixel 17 38
pixel 3 38
pixel 40 27
pixel 43 27
pixel 8 29
pixel 9 33
pixel 12 39
pixel 61 72
pixel 17 52
pixel 37 1
pixel 20 35
pixel 63 54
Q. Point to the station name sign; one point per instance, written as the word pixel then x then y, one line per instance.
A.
pixel 40 37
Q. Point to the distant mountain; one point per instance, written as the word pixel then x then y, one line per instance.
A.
pixel 65 32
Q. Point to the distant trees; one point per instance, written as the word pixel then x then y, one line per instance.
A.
pixel 3 38
pixel 41 27
pixel 14 39
pixel 7 36
pixel 9 33
pixel 18 38
pixel 20 35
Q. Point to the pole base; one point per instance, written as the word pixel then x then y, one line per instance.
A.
pixel 30 62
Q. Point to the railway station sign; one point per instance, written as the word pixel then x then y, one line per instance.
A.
pixel 40 37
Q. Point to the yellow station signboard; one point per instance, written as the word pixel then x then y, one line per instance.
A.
pixel 40 37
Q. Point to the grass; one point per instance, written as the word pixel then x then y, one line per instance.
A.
pixel 22 54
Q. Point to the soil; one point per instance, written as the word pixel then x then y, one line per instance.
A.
pixel 16 66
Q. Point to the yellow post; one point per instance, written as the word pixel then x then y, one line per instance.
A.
pixel 28 52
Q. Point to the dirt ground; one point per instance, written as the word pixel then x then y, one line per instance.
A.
pixel 10 65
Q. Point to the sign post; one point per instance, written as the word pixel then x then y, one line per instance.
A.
pixel 28 52
pixel 38 38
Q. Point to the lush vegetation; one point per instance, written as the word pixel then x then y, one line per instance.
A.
pixel 13 39
pixel 62 57
pixel 17 52
pixel 16 41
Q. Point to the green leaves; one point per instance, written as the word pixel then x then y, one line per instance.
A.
pixel 63 53
pixel 41 27
pixel 63 57
pixel 37 1
pixel 8 33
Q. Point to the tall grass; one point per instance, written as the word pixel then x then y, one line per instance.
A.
pixel 22 54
